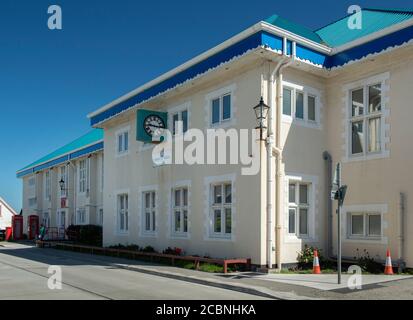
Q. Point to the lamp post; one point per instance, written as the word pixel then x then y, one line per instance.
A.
pixel 261 113
pixel 62 185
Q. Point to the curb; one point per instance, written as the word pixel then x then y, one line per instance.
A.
pixel 257 291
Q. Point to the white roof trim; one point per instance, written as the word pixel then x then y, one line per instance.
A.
pixel 8 206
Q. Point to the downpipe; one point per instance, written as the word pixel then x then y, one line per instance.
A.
pixel 329 160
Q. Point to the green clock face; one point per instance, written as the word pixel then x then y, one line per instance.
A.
pixel 154 125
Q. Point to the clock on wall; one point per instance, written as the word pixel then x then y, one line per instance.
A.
pixel 154 125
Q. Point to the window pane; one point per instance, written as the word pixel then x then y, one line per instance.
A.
pixel 303 221
pixel 120 141
pixel 185 121
pixel 185 191
pixel 174 123
pixel 357 101
pixel 185 221
pixel 291 221
pixel 218 194
pixel 291 193
pixel 226 110
pixel 287 101
pixel 374 225
pixel 228 193
pixel 126 220
pixel 357 225
pixel 228 221
pixel 122 220
pixel 153 200
pixel 303 194
pixel 147 200
pixel 217 221
pixel 126 141
pixel 177 221
pixel 215 111
pixel 374 134
pixel 375 98
pixel 311 108
pixel 357 137
pixel 153 221
pixel 177 198
pixel 299 105
pixel 147 221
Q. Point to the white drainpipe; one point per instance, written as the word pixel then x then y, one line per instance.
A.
pixel 275 107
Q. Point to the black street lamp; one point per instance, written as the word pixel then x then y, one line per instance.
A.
pixel 261 113
pixel 62 184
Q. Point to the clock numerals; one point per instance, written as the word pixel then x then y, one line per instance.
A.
pixel 154 125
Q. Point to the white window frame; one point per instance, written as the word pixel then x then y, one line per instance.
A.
pixel 384 113
pixel 99 219
pixel 151 210
pixel 307 92
pixel 297 206
pixel 365 235
pixel 219 94
pixel 125 147
pixel 47 186
pixel 32 202
pixel 122 200
pixel 181 208
pixel 222 207
pixel 31 182
pixel 81 216
pixel 178 110
pixel 83 176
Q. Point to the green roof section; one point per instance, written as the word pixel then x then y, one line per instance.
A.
pixel 91 138
pixel 373 20
pixel 293 27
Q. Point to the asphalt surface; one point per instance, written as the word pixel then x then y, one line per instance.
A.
pixel 24 276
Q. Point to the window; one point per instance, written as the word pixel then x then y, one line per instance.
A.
pixel 100 217
pixel 123 213
pixel 123 142
pixel 298 209
pixel 180 210
pixel 221 109
pixel 81 216
pixel 221 209
pixel 364 225
pixel 63 176
pixel 149 211
pixel 32 202
pixel 32 182
pixel 82 176
pixel 47 186
pixel 46 219
pixel 366 120
pixel 180 116
pixel 300 104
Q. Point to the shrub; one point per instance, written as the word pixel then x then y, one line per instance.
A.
pixel 88 235
pixel 173 251
pixel 367 263
pixel 305 258
pixel 148 249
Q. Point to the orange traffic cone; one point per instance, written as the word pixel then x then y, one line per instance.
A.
pixel 316 263
pixel 388 269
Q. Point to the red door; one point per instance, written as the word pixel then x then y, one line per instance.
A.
pixel 17 225
pixel 33 224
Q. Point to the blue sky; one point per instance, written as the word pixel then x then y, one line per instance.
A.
pixel 50 80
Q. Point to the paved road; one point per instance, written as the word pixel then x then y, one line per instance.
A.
pixel 23 275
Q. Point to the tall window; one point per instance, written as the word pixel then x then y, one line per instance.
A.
pixel 149 211
pixel 63 176
pixel 180 116
pixel 298 209
pixel 123 142
pixel 123 212
pixel 46 219
pixel 366 120
pixel 300 104
pixel 180 210
pixel 81 216
pixel 221 109
pixel 100 217
pixel 82 176
pixel 32 182
pixel 32 202
pixel 221 209
pixel 47 186
pixel 364 225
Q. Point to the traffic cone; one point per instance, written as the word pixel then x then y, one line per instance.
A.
pixel 316 263
pixel 388 269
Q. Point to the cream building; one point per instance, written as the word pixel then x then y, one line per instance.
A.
pixel 337 94
pixel 66 186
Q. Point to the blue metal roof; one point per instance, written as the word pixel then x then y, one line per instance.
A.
pixel 373 20
pixel 88 143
